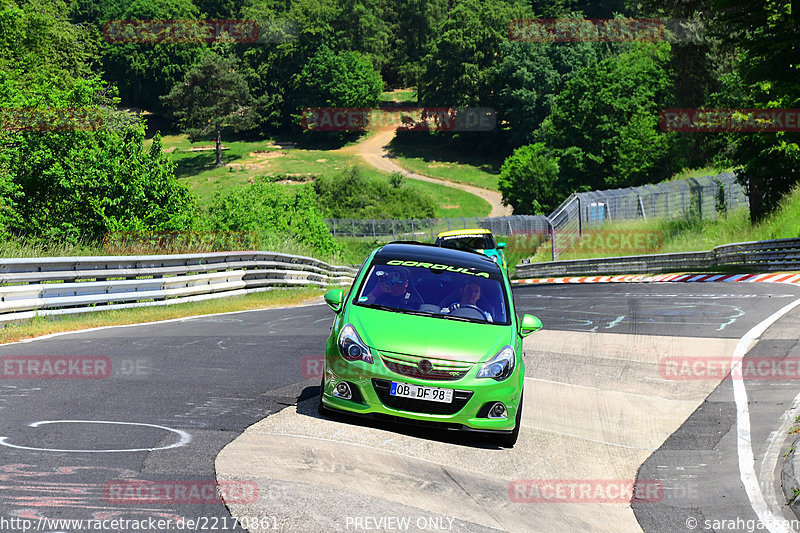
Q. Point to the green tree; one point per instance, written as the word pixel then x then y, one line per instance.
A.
pixel 459 68
pixel 414 23
pixel 527 78
pixel 529 180
pixel 144 72
pixel 74 179
pixel 213 95
pixel 605 121
pixel 763 37
pixel 338 79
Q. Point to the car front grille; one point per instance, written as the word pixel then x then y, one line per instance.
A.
pixel 442 369
pixel 460 399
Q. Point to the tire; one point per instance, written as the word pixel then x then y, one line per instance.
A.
pixel 510 439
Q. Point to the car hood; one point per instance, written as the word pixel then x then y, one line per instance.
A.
pixel 438 338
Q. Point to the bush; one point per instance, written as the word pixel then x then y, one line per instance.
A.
pixel 529 180
pixel 273 212
pixel 352 195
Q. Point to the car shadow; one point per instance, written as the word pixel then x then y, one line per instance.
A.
pixel 307 406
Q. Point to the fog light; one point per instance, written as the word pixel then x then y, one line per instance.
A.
pixel 498 410
pixel 342 391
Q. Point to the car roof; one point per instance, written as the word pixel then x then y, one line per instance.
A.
pixel 456 232
pixel 435 254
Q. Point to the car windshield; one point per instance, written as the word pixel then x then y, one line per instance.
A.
pixel 467 242
pixel 437 290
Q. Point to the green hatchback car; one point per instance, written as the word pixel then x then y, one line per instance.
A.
pixel 428 335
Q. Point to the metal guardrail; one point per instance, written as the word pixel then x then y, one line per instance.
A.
pixel 67 285
pixel 779 254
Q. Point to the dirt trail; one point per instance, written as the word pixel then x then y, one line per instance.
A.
pixel 374 152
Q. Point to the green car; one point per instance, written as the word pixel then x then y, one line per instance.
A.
pixel 428 335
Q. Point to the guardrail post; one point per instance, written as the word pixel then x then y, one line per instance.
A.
pixel 580 216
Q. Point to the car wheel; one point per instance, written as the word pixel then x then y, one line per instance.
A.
pixel 510 439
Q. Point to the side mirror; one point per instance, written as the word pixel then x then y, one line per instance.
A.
pixel 529 324
pixel 501 245
pixel 334 299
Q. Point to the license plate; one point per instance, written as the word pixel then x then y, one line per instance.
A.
pixel 431 394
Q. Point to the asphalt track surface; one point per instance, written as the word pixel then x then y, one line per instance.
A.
pixel 182 390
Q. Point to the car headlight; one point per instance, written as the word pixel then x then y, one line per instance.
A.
pixel 501 366
pixel 352 347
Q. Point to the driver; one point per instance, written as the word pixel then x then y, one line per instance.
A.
pixel 392 289
pixel 470 294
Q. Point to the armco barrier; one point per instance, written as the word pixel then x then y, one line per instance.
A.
pixel 67 285
pixel 774 255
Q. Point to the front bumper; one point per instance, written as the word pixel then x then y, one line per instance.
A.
pixel 371 382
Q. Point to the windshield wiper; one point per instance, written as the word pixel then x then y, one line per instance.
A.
pixel 397 309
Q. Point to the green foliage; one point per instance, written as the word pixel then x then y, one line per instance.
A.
pixel 763 37
pixel 459 68
pixel 605 121
pixel 273 211
pixel 78 182
pixel 212 95
pixel 528 180
pixel 36 41
pixel 527 78
pixel 352 195
pixel 338 79
pixel 414 25
pixel 145 72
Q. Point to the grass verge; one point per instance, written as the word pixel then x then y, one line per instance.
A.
pixel 45 325
pixel 432 156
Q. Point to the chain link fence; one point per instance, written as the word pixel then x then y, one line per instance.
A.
pixel 428 228
pixel 703 197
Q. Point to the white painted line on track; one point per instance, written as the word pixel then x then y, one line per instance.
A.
pixel 747 473
pixel 185 438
